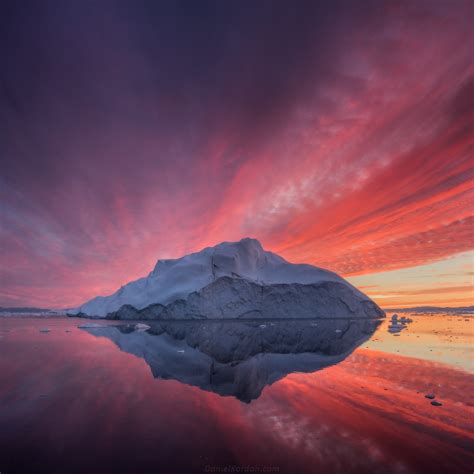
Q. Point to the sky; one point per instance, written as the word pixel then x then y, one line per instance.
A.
pixel 337 133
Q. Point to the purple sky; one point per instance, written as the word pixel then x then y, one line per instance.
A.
pixel 337 133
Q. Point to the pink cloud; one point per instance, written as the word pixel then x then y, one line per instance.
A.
pixel 359 161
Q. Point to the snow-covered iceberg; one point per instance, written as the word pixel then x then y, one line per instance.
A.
pixel 233 280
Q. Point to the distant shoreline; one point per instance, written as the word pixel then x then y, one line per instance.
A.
pixel 416 309
pixel 431 309
pixel 27 309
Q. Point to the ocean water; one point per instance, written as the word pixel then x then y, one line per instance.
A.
pixel 286 397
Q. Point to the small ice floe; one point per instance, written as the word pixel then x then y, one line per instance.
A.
pixel 142 327
pixel 91 325
pixel 45 330
pixel 402 319
pixel 397 324
pixel 263 326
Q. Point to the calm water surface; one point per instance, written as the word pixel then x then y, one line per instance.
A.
pixel 98 400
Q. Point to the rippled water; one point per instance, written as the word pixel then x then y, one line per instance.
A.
pixel 253 397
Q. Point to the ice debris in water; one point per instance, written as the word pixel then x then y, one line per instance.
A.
pixel 142 327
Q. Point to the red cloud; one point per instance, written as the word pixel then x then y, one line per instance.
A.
pixel 367 166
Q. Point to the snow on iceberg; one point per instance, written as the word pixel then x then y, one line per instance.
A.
pixel 233 280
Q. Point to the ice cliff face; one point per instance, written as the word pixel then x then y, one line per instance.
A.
pixel 233 280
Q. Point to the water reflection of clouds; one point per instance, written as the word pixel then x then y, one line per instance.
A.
pixel 362 415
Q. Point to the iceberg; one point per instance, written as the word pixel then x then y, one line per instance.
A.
pixel 233 280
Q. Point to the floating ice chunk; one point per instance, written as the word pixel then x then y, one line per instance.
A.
pixel 398 324
pixel 142 327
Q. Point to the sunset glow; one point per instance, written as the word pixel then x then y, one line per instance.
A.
pixel 346 144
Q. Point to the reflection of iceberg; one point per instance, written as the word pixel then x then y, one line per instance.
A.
pixel 238 358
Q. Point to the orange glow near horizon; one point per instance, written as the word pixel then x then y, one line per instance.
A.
pixel 446 283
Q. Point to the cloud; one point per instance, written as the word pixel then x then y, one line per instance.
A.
pixel 338 135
